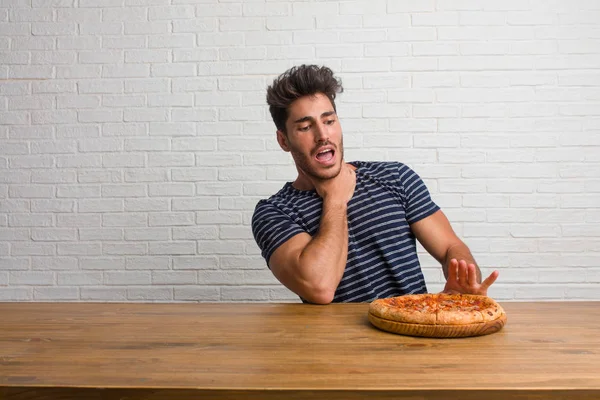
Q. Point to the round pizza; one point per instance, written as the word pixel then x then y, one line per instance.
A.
pixel 438 315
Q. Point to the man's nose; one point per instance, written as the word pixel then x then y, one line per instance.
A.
pixel 321 132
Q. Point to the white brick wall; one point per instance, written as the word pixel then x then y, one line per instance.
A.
pixel 135 142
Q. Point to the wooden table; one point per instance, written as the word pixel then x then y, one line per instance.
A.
pixel 288 351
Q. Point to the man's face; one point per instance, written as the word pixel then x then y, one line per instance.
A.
pixel 314 137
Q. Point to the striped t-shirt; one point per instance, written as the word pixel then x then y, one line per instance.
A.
pixel 382 253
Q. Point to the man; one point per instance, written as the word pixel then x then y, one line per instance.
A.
pixel 345 232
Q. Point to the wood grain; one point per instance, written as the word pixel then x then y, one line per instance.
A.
pixel 439 331
pixel 160 351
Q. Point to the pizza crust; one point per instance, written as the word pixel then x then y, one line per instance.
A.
pixel 464 317
pixel 439 331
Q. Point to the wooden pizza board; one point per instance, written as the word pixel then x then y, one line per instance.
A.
pixel 439 331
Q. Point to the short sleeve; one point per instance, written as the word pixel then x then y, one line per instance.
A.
pixel 271 228
pixel 418 202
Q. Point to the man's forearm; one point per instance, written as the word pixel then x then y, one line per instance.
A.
pixel 323 260
pixel 460 251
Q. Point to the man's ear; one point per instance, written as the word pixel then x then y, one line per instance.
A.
pixel 282 140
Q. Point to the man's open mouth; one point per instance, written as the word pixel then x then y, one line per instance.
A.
pixel 325 155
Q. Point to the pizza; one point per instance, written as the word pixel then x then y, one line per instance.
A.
pixel 438 315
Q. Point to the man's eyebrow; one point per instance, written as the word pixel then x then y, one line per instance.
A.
pixel 307 118
pixel 303 119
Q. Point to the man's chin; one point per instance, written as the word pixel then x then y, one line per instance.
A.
pixel 329 173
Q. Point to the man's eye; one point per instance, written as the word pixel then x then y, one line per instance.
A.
pixel 330 121
pixel 304 128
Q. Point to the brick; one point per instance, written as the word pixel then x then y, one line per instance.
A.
pixel 79 220
pixel 218 189
pixel 101 28
pixel 53 234
pixel 100 205
pixel 125 248
pixel 220 248
pixel 79 161
pixel 27 220
pixel 16 294
pixel 193 174
pixel 148 234
pixel 218 217
pixel 55 293
pixel 132 42
pixel 124 190
pixel 150 294
pixel 83 71
pixel 174 277
pixel 104 234
pixel 179 159
pixel 148 263
pixel 33 43
pixel 195 263
pixel 283 295
pixel 15 117
pixel 193 84
pixel 235 232
pixel 125 160
pixel 582 292
pixel 78 191
pixel 14 57
pixel 17 176
pixel 171 219
pixel 12 148
pixel 14 263
pixel 196 293
pixel 103 294
pixel 101 86
pixel 118 278
pixel 147 175
pixel 147 144
pixel 124 219
pixel 174 70
pixel 194 233
pixel 172 248
pixel 100 176
pixel 15 88
pixel 78 42
pixel 101 57
pixel 77 101
pixel 14 234
pixel 32 249
pixel 200 203
pixel 370 64
pixel 79 249
pixel 242 294
pixel 195 25
pixel 171 128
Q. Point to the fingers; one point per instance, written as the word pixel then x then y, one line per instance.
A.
pixel 472 275
pixel 490 280
pixel 463 272
pixel 452 270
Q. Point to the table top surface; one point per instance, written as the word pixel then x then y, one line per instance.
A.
pixel 544 345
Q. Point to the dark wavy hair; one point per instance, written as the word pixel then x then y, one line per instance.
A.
pixel 296 82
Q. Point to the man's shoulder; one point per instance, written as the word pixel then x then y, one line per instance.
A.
pixel 284 198
pixel 385 170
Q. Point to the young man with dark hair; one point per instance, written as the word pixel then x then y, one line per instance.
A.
pixel 346 232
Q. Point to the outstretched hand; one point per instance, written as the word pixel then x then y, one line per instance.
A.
pixel 462 278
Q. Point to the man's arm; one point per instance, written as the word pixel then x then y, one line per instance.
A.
pixel 460 269
pixel 312 267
